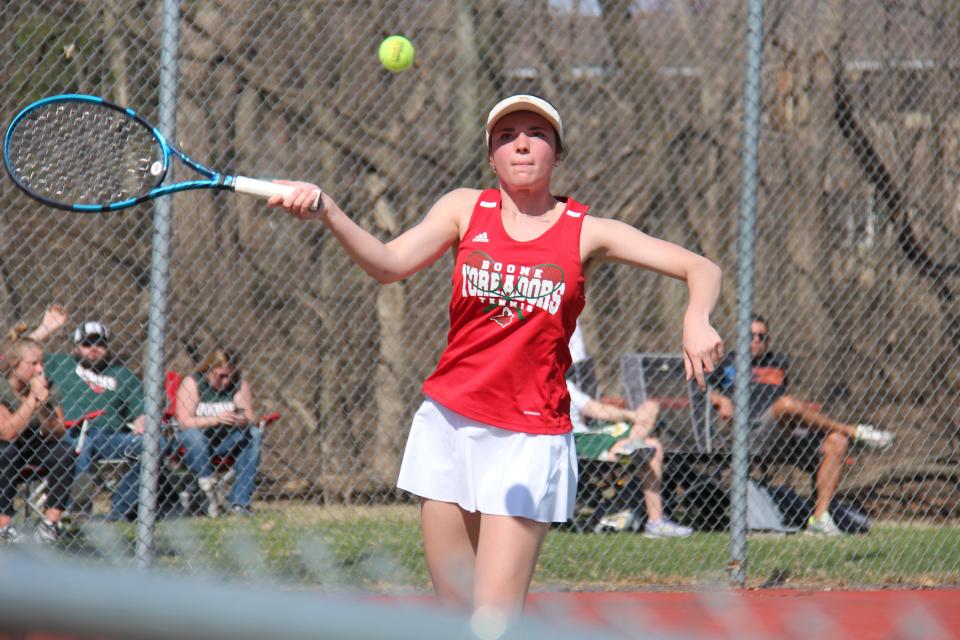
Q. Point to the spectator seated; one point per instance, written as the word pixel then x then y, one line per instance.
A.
pixel 620 467
pixel 213 465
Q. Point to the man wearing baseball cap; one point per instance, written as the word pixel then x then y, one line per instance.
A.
pixel 89 380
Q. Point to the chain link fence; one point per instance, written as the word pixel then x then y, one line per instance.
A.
pixel 856 261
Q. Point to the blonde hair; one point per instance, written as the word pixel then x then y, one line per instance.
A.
pixel 12 348
pixel 219 357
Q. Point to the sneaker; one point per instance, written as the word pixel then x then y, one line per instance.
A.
pixel 241 510
pixel 620 521
pixel 823 526
pixel 47 532
pixel 209 488
pixel 665 528
pixel 10 535
pixel 637 449
pixel 869 436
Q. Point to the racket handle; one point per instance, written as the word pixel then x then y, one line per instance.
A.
pixel 267 189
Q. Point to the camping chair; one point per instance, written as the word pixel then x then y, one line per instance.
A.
pixel 696 452
pixel 186 488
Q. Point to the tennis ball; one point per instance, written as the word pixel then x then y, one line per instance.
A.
pixel 396 53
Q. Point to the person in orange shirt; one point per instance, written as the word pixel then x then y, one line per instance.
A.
pixel 782 424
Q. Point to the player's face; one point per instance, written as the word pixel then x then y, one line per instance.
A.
pixel 30 365
pixel 220 377
pixel 759 338
pixel 523 149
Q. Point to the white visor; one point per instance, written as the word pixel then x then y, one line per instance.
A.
pixel 525 103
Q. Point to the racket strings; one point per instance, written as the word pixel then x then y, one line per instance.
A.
pixel 83 153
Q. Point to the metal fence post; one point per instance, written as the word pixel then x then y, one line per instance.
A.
pixel 745 265
pixel 159 280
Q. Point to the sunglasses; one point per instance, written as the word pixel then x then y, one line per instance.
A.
pixel 762 337
pixel 93 342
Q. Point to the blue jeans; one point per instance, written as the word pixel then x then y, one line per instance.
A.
pixel 105 444
pixel 243 443
pixel 100 444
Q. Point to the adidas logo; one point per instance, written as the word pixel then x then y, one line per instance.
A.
pixel 481 237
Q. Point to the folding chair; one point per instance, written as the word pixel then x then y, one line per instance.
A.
pixel 685 423
pixel 696 453
pixel 84 423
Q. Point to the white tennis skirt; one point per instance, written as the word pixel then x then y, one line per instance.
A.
pixel 452 458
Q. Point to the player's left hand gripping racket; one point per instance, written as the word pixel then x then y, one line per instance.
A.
pixel 83 153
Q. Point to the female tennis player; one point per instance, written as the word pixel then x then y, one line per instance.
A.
pixel 490 452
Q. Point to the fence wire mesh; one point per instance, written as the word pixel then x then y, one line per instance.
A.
pixel 857 244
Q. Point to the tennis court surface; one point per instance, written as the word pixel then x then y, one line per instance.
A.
pixel 782 613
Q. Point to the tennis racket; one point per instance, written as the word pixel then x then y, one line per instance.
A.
pixel 83 153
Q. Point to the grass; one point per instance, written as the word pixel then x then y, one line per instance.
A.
pixel 379 548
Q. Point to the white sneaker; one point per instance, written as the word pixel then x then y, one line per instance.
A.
pixel 620 521
pixel 209 487
pixel 638 450
pixel 823 526
pixel 47 532
pixel 869 436
pixel 10 535
pixel 665 529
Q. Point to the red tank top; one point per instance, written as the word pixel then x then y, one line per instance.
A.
pixel 513 309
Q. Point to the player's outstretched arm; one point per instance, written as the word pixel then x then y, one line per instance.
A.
pixel 608 239
pixel 406 254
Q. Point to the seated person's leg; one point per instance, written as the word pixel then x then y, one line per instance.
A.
pixel 644 422
pixel 817 453
pixel 658 525
pixel 84 481
pixel 10 464
pixel 197 456
pixel 833 451
pixel 651 478
pixel 57 457
pixel 789 409
pixel 115 445
pixel 126 495
pixel 246 444
pixel 196 446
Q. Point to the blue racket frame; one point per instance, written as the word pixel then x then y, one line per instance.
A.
pixel 214 179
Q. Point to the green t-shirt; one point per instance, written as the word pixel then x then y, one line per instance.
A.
pixel 115 389
pixel 11 400
pixel 214 401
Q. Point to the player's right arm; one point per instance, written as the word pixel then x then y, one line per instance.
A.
pixel 386 262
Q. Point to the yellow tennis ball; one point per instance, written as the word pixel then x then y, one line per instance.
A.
pixel 396 53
